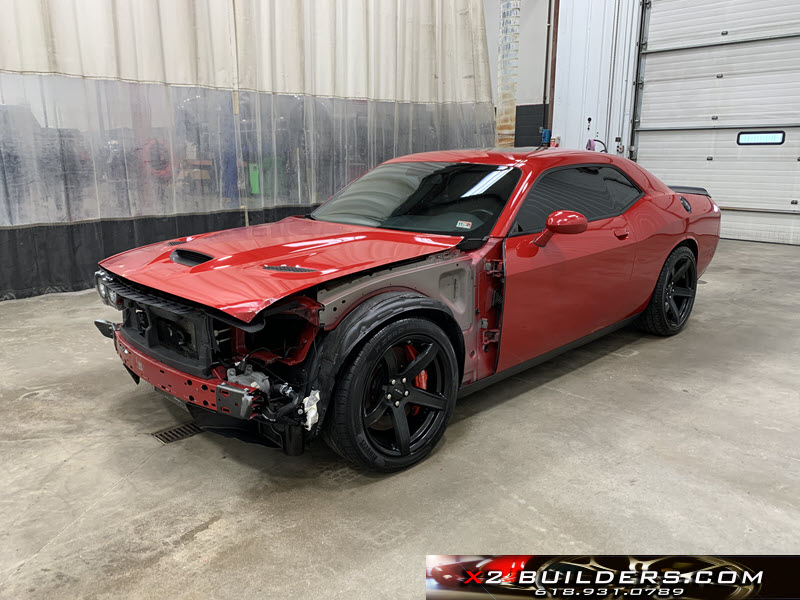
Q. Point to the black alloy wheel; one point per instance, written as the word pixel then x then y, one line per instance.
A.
pixel 674 294
pixel 394 398
pixel 680 290
pixel 404 399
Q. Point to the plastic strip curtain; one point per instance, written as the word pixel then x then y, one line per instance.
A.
pixel 114 110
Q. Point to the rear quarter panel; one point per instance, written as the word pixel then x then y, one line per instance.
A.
pixel 704 224
pixel 660 223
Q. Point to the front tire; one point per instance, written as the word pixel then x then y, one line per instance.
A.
pixel 673 297
pixel 394 396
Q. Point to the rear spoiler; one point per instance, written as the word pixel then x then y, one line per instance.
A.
pixel 685 189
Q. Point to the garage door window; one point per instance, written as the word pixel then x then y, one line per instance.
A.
pixel 597 192
pixel 760 138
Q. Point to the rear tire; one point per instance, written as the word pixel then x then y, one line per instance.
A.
pixel 394 396
pixel 673 297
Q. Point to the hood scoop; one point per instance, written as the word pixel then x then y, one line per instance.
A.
pixel 176 243
pixel 190 258
pixel 287 269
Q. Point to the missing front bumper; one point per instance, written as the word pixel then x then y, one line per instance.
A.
pixel 222 407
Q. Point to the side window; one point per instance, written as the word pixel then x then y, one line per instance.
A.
pixel 622 190
pixel 596 192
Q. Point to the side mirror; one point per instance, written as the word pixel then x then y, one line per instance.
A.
pixel 562 221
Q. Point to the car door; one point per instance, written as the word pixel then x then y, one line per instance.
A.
pixel 576 284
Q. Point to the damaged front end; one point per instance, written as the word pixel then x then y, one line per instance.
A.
pixel 245 380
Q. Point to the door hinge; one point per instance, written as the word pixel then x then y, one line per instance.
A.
pixel 493 268
pixel 491 336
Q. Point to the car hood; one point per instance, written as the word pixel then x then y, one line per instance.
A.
pixel 234 280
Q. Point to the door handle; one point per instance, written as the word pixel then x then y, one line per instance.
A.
pixel 621 233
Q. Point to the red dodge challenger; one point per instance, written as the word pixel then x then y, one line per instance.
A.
pixel 428 278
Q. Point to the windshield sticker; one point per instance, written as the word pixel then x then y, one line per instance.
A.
pixel 464 225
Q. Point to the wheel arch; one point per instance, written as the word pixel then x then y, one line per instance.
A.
pixel 445 320
pixel 687 242
pixel 376 312
pixel 690 243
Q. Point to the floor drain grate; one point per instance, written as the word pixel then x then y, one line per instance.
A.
pixel 177 433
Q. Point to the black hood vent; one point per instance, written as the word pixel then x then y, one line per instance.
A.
pixel 176 243
pixel 190 258
pixel 287 269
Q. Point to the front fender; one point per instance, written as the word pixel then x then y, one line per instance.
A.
pixel 367 317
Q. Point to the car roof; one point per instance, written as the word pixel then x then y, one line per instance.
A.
pixel 496 156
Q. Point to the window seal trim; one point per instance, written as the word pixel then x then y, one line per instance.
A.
pixel 575 166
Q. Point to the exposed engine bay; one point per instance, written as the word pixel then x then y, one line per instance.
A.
pixel 250 376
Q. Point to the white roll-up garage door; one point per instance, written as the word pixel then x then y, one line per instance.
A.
pixel 710 73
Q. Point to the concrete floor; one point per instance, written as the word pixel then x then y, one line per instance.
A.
pixel 632 444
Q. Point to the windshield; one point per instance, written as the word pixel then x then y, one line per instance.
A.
pixel 427 197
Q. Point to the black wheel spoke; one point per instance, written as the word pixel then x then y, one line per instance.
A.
pixel 375 415
pixel 401 432
pixel 422 360
pixel 427 399
pixel 390 358
pixel 674 309
pixel 398 418
pixel 680 271
pixel 683 292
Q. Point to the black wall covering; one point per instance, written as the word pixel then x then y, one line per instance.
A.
pixel 530 119
pixel 42 259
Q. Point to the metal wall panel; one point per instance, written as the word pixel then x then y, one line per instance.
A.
pixel 707 71
pixel 761 227
pixel 762 177
pixel 595 71
pixel 755 83
pixel 675 23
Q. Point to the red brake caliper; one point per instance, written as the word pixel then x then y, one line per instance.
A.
pixel 421 380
